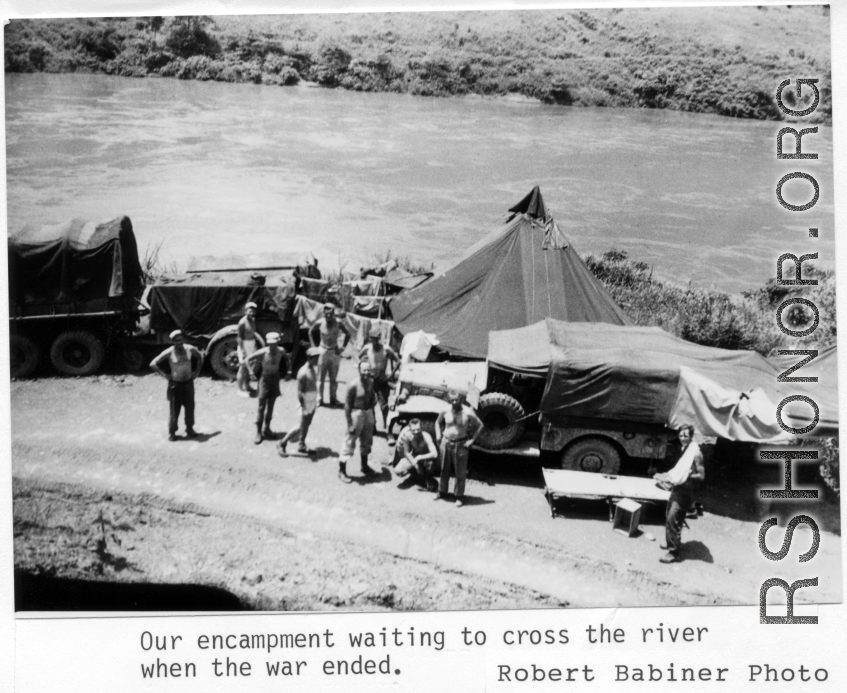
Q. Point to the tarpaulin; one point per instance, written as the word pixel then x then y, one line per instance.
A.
pixel 75 261
pixel 522 273
pixel 201 304
pixel 633 373
pixel 715 410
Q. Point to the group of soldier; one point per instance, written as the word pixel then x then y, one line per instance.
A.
pixel 416 453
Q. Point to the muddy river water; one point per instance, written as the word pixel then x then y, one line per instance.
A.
pixel 212 168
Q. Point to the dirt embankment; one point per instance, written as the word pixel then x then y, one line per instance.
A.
pixel 103 501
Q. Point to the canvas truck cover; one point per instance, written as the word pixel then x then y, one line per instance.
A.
pixel 74 262
pixel 202 303
pixel 643 374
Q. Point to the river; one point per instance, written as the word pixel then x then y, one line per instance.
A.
pixel 212 168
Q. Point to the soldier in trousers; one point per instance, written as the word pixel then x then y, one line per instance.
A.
pixel 458 430
pixel 359 412
pixel 184 364
pixel 271 361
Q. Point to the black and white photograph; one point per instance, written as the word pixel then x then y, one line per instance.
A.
pixel 423 311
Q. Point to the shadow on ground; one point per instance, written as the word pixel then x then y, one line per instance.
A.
pixel 44 593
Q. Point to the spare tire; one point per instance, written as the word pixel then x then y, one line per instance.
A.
pixel 592 455
pixel 77 352
pixel 501 415
pixel 24 355
pixel 224 358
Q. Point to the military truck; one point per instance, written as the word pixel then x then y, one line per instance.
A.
pixel 74 293
pixel 208 300
pixel 509 403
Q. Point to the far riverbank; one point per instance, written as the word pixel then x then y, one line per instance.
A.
pixel 723 61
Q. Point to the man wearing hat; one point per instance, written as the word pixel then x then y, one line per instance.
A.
pixel 184 364
pixel 378 356
pixel 269 359
pixel 458 428
pixel 324 334
pixel 307 396
pixel 359 412
pixel 246 336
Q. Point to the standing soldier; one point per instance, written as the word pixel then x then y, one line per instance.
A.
pixel 307 395
pixel 378 356
pixel 184 364
pixel 246 336
pixel 683 479
pixel 359 412
pixel 458 430
pixel 269 359
pixel 324 333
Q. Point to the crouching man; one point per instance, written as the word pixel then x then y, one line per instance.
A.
pixel 683 481
pixel 416 455
pixel 183 366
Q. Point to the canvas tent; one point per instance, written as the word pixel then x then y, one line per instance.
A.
pixel 645 374
pixel 519 274
pixel 74 262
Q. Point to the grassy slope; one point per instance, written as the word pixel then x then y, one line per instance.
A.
pixel 713 60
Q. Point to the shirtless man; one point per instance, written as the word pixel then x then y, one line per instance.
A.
pixel 359 412
pixel 270 359
pixel 246 336
pixel 378 356
pixel 416 454
pixel 307 395
pixel 182 371
pixel 324 333
pixel 457 430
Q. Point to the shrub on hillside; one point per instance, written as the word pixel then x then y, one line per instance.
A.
pixel 100 41
pixel 710 318
pixel 188 36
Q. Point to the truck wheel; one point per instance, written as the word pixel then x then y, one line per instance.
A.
pixel 77 352
pixel 500 414
pixel 24 356
pixel 132 359
pixel 591 455
pixel 224 358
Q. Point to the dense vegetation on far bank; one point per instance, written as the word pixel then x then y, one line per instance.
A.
pixel 725 61
pixel 714 318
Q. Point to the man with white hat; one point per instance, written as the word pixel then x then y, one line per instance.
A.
pixel 184 364
pixel 246 337
pixel 269 359
pixel 307 396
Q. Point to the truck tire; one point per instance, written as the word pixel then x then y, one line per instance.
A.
pixel 500 414
pixel 24 356
pixel 224 358
pixel 591 455
pixel 77 352
pixel 132 359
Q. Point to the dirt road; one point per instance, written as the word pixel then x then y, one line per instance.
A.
pixel 101 495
